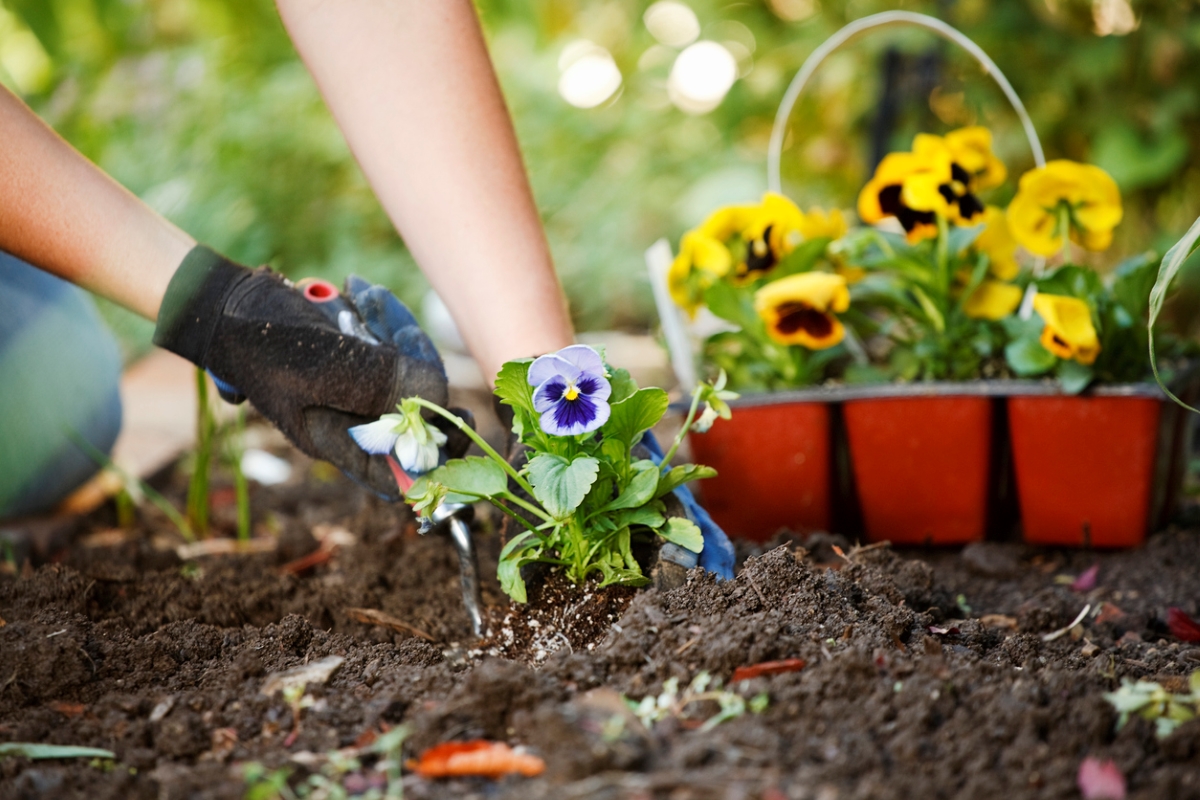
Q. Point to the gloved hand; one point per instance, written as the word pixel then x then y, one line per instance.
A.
pixel 717 556
pixel 313 378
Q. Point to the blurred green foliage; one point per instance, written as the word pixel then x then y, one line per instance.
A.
pixel 202 108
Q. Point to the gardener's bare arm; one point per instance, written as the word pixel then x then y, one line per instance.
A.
pixel 411 85
pixel 60 212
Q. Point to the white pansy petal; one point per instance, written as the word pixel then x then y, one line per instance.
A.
pixel 583 357
pixel 546 367
pixel 436 435
pixel 427 458
pixel 377 437
pixel 408 453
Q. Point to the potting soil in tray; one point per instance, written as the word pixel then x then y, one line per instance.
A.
pixel 923 678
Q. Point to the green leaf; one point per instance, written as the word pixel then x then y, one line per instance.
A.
pixel 640 490
pixel 512 385
pixel 425 495
pixel 623 385
pixel 1132 281
pixel 962 238
pixel 509 568
pixel 1028 358
pixel 1074 376
pixel 684 533
pixel 678 476
pixel 730 304
pixel 560 485
pixel 635 414
pixel 650 516
pixel 932 313
pixel 37 752
pixel 802 259
pixel 468 479
pixel 1167 271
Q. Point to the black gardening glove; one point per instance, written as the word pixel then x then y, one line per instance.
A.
pixel 313 374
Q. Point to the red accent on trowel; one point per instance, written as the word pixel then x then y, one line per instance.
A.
pixel 319 291
pixel 402 479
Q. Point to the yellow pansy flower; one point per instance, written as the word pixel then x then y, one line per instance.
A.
pixel 701 261
pixel 971 149
pixel 951 196
pixel 821 224
pixel 770 231
pixel 1081 196
pixel 1069 332
pixel 799 309
pixel 882 196
pixel 993 300
pixel 997 241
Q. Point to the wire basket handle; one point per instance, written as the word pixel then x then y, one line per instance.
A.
pixel 887 18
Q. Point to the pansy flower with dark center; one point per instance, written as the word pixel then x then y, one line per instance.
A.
pixel 1069 332
pixel 939 178
pixel 799 309
pixel 572 391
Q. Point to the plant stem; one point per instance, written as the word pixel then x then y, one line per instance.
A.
pixel 477 439
pixel 197 499
pixel 687 423
pixel 241 486
pixel 530 507
pixel 1064 223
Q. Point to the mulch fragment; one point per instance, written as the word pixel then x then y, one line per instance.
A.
pixel 1182 626
pixel 371 616
pixel 767 668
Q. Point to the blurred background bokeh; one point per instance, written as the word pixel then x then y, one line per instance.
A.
pixel 635 120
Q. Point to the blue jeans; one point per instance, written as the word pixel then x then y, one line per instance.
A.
pixel 59 373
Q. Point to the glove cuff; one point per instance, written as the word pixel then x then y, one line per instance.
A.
pixel 194 301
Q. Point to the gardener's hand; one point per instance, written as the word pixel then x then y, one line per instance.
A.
pixel 312 377
pixel 673 561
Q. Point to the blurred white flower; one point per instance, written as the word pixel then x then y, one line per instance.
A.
pixel 413 440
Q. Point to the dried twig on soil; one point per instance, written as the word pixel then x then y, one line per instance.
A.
pixel 1050 637
pixel 222 547
pixel 370 616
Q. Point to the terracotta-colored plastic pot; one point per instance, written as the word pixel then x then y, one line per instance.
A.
pixel 921 467
pixel 773 469
pixel 1085 467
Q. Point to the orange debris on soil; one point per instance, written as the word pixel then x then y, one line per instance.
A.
pixel 478 758
pixel 767 668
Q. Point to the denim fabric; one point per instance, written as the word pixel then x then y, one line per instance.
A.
pixel 60 370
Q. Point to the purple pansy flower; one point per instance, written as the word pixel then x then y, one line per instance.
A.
pixel 571 392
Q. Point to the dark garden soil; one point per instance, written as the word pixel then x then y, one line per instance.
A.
pixel 927 675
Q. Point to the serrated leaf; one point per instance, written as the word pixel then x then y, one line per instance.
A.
pixel 684 533
pixel 512 385
pixel 36 752
pixel 678 476
pixel 468 479
pixel 1028 358
pixel 637 413
pixel 623 385
pixel 560 485
pixel 641 489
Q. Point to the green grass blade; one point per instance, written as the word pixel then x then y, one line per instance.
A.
pixel 1171 264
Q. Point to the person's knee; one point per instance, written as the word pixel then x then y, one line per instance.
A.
pixel 59 377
